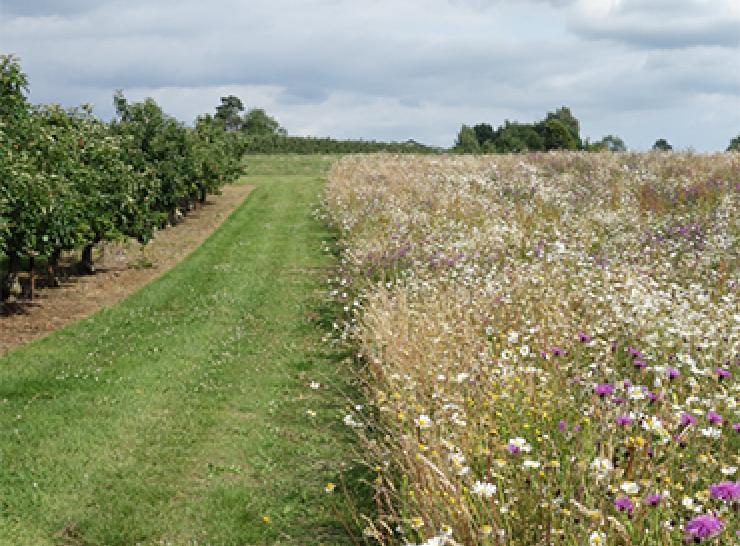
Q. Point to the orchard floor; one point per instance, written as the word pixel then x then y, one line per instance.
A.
pixel 122 269
pixel 184 414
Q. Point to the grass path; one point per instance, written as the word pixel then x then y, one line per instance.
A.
pixel 179 416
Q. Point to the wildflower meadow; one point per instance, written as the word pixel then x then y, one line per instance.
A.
pixel 548 345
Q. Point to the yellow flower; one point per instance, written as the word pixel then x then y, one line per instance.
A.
pixel 330 487
pixel 266 520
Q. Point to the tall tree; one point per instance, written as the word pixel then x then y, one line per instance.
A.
pixel 558 136
pixel 467 142
pixel 229 112
pixel 257 122
pixel 483 132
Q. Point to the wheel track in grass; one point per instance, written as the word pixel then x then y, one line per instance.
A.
pixel 179 415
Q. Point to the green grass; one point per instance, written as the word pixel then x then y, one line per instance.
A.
pixel 180 415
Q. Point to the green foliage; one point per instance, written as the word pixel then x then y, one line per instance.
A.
pixel 68 180
pixel 734 144
pixel 609 143
pixel 467 141
pixel 277 144
pixel 229 112
pixel 258 123
pixel 558 136
pixel 662 145
pixel 560 130
pixel 483 132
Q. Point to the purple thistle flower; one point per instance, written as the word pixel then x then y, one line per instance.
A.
pixel 562 426
pixel 624 420
pixel 558 351
pixel 714 418
pixel 673 373
pixel 705 526
pixel 736 426
pixel 652 396
pixel 639 363
pixel 722 373
pixel 728 491
pixel 653 500
pixel 584 337
pixel 634 352
pixel 618 400
pixel 624 504
pixel 513 449
pixel 602 389
pixel 686 419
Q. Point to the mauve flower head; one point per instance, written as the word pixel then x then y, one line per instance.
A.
pixel 624 420
pixel 653 500
pixel 513 449
pixel 722 373
pixel 736 426
pixel 705 526
pixel 687 419
pixel 562 426
pixel 639 363
pixel 634 352
pixel 602 389
pixel 673 373
pixel 558 351
pixel 728 491
pixel 624 504
pixel 618 400
pixel 652 396
pixel 584 337
pixel 714 418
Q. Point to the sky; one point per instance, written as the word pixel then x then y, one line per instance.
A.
pixel 398 69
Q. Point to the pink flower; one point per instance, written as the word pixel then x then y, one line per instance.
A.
pixel 624 504
pixel 702 527
pixel 714 418
pixel 728 491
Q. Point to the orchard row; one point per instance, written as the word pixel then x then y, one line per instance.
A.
pixel 69 180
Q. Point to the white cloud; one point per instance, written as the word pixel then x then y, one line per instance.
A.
pixel 387 69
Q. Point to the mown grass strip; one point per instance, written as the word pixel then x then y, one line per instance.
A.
pixel 180 415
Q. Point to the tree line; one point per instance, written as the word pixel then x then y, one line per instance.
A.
pixel 69 180
pixel 559 130
pixel 263 134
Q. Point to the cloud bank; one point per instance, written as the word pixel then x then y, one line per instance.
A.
pixel 383 69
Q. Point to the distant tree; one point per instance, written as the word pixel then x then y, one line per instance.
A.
pixel 229 112
pixel 558 136
pixel 566 117
pixel 483 132
pixel 734 144
pixel 610 143
pixel 662 145
pixel 467 142
pixel 257 122
pixel 518 137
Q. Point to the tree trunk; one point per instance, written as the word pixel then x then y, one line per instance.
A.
pixel 87 259
pixel 52 266
pixel 9 281
pixel 203 196
pixel 32 276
